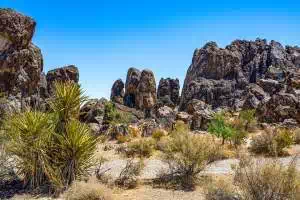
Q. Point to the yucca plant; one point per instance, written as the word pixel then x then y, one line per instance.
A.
pixel 76 148
pixel 29 137
pixel 66 102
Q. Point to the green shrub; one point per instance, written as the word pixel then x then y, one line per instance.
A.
pixel 113 117
pixel 187 155
pixel 267 179
pixel 248 117
pixel 220 128
pixel 52 148
pixel 239 133
pixel 158 134
pixel 179 127
pixel 142 148
pixel 272 142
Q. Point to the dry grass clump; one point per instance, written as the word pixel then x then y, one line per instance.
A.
pixel 88 191
pixel 158 134
pixel 142 148
pixel 267 179
pixel 297 136
pixel 272 142
pixel 187 155
pixel 128 177
pixel 221 189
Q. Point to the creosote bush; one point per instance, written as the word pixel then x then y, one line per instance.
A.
pixel 52 148
pixel 267 179
pixel 142 148
pixel 187 155
pixel 272 142
pixel 220 189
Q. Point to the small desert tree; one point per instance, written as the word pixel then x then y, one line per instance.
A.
pixel 248 117
pixel 220 128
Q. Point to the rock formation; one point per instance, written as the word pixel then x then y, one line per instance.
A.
pixel 168 92
pixel 132 82
pixel 146 91
pixel 67 73
pixel 21 62
pixel 117 92
pixel 245 74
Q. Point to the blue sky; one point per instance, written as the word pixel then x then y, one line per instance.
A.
pixel 104 38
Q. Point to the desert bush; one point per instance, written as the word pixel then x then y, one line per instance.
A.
pixel 297 136
pixel 220 128
pixel 88 191
pixel 76 149
pixel 272 142
pixel 52 148
pixel 128 176
pixel 179 127
pixel 142 148
pixel 158 134
pixel 29 141
pixel 239 133
pixel 123 138
pixel 187 155
pixel 221 189
pixel 267 179
pixel 248 117
pixel 113 117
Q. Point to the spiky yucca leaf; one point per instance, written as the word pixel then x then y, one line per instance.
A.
pixel 76 149
pixel 68 97
pixel 29 138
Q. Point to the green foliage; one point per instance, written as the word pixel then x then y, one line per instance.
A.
pixel 76 148
pixel 248 117
pixel 66 102
pixel 113 117
pixel 52 148
pixel 220 128
pixel 297 136
pixel 142 148
pixel 272 142
pixel 29 139
pixel 158 134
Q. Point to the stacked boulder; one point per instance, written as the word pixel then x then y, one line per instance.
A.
pixel 22 81
pixel 246 74
pixel 140 91
pixel 168 92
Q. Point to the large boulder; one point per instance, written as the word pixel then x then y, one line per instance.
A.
pixel 21 62
pixel 63 74
pixel 166 117
pixel 280 107
pixel 132 82
pixel 16 30
pixel 146 92
pixel 201 112
pixel 93 111
pixel 117 92
pixel 168 92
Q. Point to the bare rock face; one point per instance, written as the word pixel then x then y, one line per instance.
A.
pixel 117 92
pixel 16 30
pixel 146 92
pixel 21 62
pixel 67 73
pixel 245 74
pixel 168 92
pixel 132 82
pixel 93 111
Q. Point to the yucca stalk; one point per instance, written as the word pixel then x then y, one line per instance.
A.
pixel 76 149
pixel 66 102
